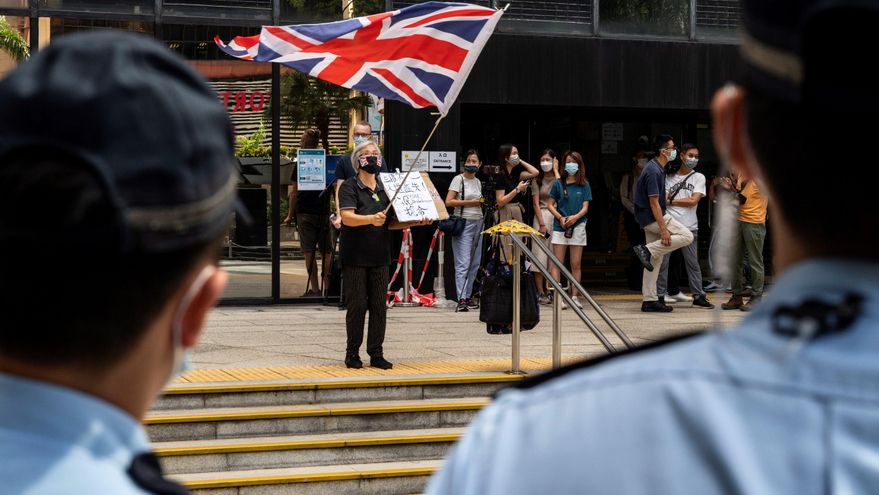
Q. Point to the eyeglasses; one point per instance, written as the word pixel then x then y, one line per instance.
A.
pixel 358 134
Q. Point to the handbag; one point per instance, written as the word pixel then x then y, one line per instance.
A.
pixel 496 301
pixel 454 225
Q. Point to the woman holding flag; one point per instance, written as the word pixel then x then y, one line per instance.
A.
pixel 364 255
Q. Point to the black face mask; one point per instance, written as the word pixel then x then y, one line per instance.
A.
pixel 371 165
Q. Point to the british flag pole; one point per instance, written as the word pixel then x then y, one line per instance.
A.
pixel 420 54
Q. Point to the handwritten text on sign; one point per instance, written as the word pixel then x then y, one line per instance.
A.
pixel 414 201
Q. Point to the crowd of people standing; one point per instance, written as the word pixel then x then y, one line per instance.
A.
pixel 659 198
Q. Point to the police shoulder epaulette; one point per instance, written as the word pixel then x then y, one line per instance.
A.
pixel 146 472
pixel 542 378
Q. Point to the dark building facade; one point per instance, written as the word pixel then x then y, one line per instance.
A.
pixel 587 75
pixel 597 77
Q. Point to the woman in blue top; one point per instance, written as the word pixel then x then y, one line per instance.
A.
pixel 568 202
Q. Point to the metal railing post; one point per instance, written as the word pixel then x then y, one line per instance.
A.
pixel 556 330
pixel 598 309
pixel 517 302
pixel 567 297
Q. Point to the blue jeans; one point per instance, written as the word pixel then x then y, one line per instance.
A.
pixel 467 257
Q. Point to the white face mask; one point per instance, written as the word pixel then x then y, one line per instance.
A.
pixel 691 162
pixel 514 159
pixel 358 140
pixel 181 359
pixel 546 166
pixel 672 154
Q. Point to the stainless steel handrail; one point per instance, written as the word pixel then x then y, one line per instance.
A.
pixel 570 277
pixel 519 248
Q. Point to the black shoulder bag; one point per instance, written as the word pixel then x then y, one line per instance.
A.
pixel 454 225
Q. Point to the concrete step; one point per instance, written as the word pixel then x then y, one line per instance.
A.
pixel 389 478
pixel 305 450
pixel 217 423
pixel 293 392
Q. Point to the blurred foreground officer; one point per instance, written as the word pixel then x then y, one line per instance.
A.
pixel 788 403
pixel 116 154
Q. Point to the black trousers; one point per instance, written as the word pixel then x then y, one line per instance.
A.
pixel 366 290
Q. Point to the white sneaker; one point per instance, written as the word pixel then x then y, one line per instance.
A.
pixel 577 302
pixel 679 297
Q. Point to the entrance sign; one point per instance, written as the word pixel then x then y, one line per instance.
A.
pixel 442 161
pixel 311 170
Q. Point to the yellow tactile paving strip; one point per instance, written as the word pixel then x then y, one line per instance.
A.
pixel 304 444
pixel 308 478
pixel 340 371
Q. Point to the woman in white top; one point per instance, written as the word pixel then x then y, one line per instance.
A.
pixel 540 187
pixel 465 196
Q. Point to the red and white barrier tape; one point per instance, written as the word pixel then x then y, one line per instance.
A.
pixel 433 240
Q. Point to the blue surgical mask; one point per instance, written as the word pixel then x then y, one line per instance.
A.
pixel 181 353
pixel 672 154
pixel 691 162
pixel 471 168
pixel 572 168
pixel 514 159
pixel 358 140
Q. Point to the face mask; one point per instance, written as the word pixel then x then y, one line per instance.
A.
pixel 672 154
pixel 642 162
pixel 471 168
pixel 358 140
pixel 572 168
pixel 514 159
pixel 181 355
pixel 691 162
pixel 546 166
pixel 371 164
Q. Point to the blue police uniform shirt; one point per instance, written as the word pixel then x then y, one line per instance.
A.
pixel 55 440
pixel 651 182
pixel 577 194
pixel 740 411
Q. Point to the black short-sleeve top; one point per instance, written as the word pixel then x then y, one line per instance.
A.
pixel 366 245
pixel 507 183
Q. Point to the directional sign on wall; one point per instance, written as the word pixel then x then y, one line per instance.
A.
pixel 443 161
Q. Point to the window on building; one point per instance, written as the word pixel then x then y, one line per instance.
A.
pixel 717 18
pixel 669 18
pixel 142 7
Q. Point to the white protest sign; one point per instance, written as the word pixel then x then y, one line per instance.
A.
pixel 409 157
pixel 311 170
pixel 414 201
pixel 442 161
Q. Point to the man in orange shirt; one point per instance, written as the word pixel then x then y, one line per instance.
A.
pixel 751 235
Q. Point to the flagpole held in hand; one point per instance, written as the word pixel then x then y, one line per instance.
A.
pixel 414 162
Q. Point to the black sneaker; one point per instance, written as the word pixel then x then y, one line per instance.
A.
pixel 655 307
pixel 702 302
pixel 380 363
pixel 353 361
pixel 644 256
pixel 472 305
pixel 462 306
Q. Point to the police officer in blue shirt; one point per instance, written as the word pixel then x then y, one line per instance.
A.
pixel 788 402
pixel 117 182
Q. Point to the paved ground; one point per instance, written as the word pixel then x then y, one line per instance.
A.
pixel 309 336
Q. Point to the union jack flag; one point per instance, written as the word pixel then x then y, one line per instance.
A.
pixel 421 54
